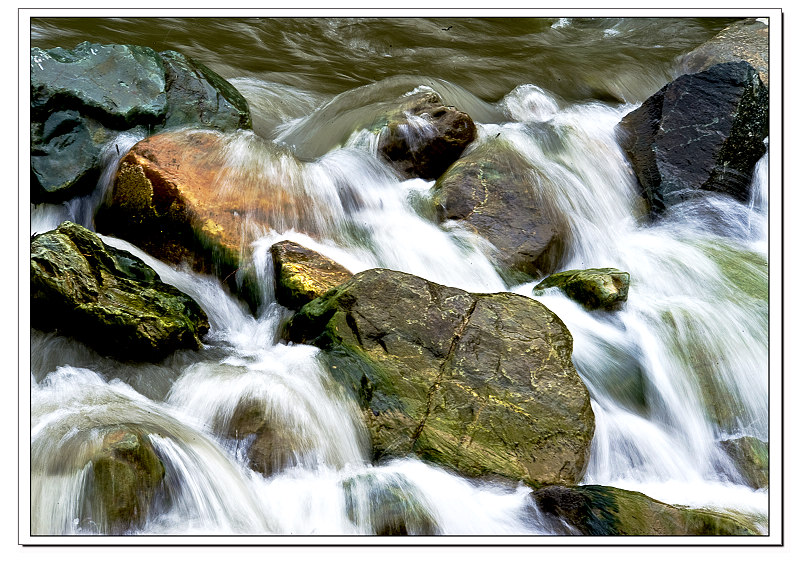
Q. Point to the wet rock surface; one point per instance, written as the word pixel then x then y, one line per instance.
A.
pixel 301 274
pixel 599 288
pixel 480 383
pixel 493 191
pixel 108 298
pixel 424 137
pixel 702 132
pixel 82 98
pixel 604 510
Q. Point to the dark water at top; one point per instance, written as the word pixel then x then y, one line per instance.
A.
pixel 610 59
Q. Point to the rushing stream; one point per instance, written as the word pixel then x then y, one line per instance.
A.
pixel 680 368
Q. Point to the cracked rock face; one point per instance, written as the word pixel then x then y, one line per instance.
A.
pixel 481 383
pixel 701 132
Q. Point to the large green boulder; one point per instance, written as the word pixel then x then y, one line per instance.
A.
pixel 604 288
pixel 83 98
pixel 301 274
pixel 493 191
pixel 108 298
pixel 604 510
pixel 481 383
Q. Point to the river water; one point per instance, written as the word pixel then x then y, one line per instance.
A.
pixel 683 366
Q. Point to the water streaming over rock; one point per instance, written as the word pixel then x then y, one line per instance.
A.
pixel 257 437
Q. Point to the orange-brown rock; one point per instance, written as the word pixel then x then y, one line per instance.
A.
pixel 179 196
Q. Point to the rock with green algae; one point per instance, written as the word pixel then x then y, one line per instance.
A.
pixel 108 298
pixel 82 98
pixel 605 510
pixel 481 383
pixel 599 288
pixel 494 192
pixel 126 475
pixel 387 504
pixel 301 274
pixel 751 456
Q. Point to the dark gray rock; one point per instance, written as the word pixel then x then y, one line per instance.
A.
pixel 701 132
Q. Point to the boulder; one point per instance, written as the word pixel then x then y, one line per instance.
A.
pixel 301 274
pixel 604 510
pixel 702 132
pixel 172 197
pixel 81 99
pixel 108 298
pixel 494 191
pixel 424 137
pixel 126 475
pixel 603 288
pixel 745 40
pixel 480 383
pixel 751 457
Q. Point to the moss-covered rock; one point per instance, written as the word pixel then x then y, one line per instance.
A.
pixel 605 288
pixel 481 383
pixel 126 475
pixel 493 191
pixel 604 510
pixel 301 274
pixel 423 136
pixel 108 298
pixel 386 505
pixel 751 457
pixel 82 98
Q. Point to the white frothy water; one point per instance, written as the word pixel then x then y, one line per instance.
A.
pixel 681 367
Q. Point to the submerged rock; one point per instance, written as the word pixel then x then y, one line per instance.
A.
pixel 388 505
pixel 745 40
pixel 481 383
pixel 493 191
pixel 82 98
pixel 751 456
pixel 424 137
pixel 604 510
pixel 127 473
pixel 701 132
pixel 270 447
pixel 174 198
pixel 108 298
pixel 301 274
pixel 605 288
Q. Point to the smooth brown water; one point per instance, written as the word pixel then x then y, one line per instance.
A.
pixel 575 58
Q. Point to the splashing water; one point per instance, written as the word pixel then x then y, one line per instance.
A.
pixel 257 438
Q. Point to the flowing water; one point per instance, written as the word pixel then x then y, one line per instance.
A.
pixel 682 367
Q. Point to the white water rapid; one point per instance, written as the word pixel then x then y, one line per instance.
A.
pixel 682 367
